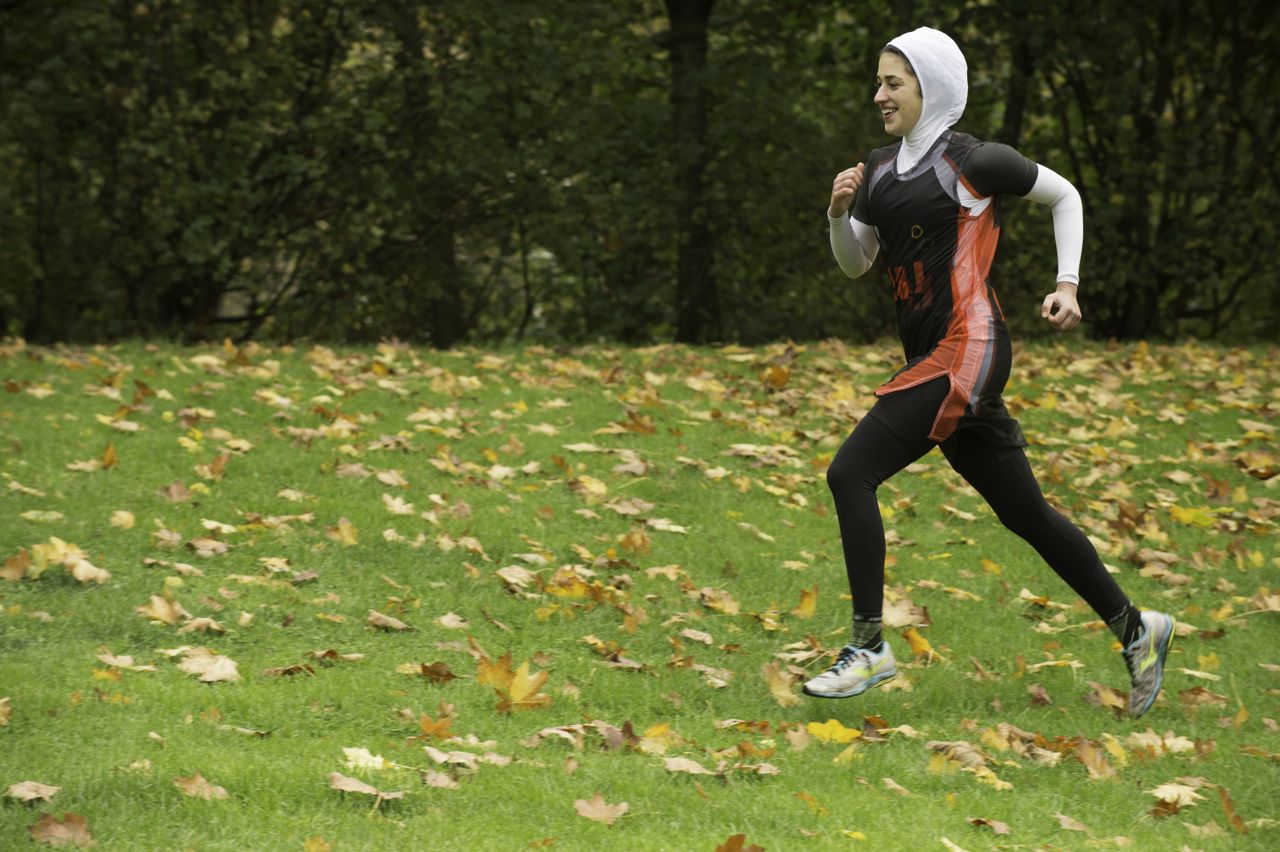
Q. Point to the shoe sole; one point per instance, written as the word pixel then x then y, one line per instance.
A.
pixel 1163 652
pixel 873 682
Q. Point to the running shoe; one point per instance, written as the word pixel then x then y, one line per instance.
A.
pixel 1145 659
pixel 854 672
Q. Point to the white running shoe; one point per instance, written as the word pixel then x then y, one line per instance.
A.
pixel 854 672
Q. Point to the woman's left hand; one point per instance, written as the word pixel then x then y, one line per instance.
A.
pixel 1060 308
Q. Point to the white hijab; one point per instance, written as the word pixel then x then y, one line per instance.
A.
pixel 944 88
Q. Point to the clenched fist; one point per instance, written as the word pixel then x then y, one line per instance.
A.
pixel 843 189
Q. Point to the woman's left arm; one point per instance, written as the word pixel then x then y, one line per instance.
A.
pixel 1060 308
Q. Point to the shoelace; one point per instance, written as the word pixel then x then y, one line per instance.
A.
pixel 848 655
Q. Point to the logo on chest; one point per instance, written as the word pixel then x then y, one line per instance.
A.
pixel 911 286
pixel 917 232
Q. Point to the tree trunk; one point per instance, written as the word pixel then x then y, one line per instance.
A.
pixel 1021 76
pixel 697 299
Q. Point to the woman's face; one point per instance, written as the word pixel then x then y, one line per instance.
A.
pixel 897 95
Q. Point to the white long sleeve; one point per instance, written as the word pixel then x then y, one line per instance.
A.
pixel 1064 201
pixel 854 244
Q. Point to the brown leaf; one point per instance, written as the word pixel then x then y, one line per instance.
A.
pixel 198 788
pixel 316 843
pixel 289 671
pixel 1069 824
pixel 71 830
pixel 1228 807
pixel 385 622
pixel 965 753
pixel 1105 696
pixel 1095 760
pixel 994 824
pixel 438 672
pixel 600 811
pixel 1039 696
pixel 27 791
pixel 6 710
pixel 738 843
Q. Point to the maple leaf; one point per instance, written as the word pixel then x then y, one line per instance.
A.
pixel 122 519
pixel 71 830
pixel 28 791
pixel 1173 798
pixel 198 788
pixel 597 809
pixel 522 693
pixel 781 684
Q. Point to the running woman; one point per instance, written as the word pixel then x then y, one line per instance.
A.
pixel 931 202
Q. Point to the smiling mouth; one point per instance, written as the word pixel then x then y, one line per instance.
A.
pixel 886 114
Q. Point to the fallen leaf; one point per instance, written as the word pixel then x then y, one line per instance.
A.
pixel 28 791
pixel 738 843
pixel 338 781
pixel 600 811
pixel 1069 824
pixel 198 788
pixel 994 824
pixel 684 764
pixel 1172 798
pixel 895 787
pixel 70 830
pixel 210 667
pixel 385 622
pixel 831 731
pixel 361 758
pixel 781 684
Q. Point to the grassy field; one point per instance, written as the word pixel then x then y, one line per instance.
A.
pixel 488 585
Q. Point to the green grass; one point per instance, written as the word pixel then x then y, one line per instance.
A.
pixel 1105 432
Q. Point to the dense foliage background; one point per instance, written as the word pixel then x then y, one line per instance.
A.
pixel 627 169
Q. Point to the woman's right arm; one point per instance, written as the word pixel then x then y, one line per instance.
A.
pixel 853 242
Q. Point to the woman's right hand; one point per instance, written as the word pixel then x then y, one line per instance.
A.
pixel 843 190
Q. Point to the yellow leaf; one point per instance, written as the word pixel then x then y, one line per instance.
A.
pixel 781 684
pixel 808 603
pixel 1197 516
pixel 919 645
pixel 831 731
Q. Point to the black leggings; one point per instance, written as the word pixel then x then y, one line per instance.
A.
pixel 892 436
